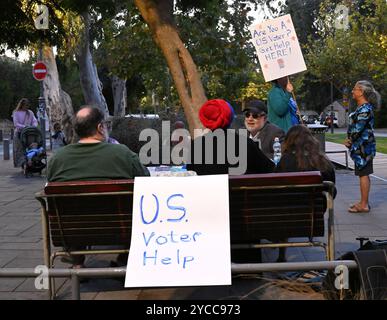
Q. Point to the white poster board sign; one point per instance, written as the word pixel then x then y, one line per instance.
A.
pixel 277 47
pixel 180 232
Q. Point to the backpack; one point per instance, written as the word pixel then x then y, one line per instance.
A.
pixel 368 281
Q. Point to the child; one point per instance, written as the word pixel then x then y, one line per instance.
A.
pixel 58 138
pixel 33 151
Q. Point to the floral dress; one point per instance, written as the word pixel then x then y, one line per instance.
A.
pixel 361 133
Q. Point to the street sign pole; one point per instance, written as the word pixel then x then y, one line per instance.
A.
pixel 41 23
pixel 42 107
pixel 332 114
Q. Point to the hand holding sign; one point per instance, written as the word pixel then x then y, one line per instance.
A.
pixel 277 47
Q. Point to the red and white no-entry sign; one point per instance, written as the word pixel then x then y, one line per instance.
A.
pixel 39 71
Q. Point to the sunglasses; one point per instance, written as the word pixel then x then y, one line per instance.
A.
pixel 254 115
pixel 106 124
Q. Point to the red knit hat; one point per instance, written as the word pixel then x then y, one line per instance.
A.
pixel 215 114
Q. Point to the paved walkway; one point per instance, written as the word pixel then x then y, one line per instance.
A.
pixel 21 242
pixel 380 161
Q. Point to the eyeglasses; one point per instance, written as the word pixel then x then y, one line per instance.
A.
pixel 106 124
pixel 254 115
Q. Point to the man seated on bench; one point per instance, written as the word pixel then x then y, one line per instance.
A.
pixel 92 158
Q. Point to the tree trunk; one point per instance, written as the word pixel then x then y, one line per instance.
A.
pixel 58 102
pixel 159 17
pixel 90 83
pixel 119 96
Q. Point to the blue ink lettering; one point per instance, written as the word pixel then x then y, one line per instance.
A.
pixel 142 213
pixel 277 37
pixel 146 257
pixel 261 41
pixel 185 238
pixel 161 240
pixel 187 259
pixel 272 28
pixel 147 240
pixel 196 234
pixel 176 208
pixel 172 239
pixel 259 33
pixel 166 261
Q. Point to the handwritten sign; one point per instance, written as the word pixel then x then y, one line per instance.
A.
pixel 277 46
pixel 180 232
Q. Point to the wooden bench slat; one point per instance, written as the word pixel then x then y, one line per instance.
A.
pixel 263 206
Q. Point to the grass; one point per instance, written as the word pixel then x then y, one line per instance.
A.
pixel 381 142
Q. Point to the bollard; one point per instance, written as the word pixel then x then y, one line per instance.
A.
pixel 6 149
pixel 1 135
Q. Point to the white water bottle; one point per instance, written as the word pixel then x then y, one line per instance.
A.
pixel 277 151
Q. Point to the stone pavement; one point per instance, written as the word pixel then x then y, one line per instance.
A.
pixel 379 164
pixel 21 243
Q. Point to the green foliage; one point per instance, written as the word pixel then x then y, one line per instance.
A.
pixel 17 29
pixel 257 88
pixel 69 80
pixel 128 51
pixel 304 13
pixel 214 32
pixel 16 82
pixel 217 38
pixel 346 56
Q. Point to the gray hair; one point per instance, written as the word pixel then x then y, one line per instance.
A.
pixel 369 92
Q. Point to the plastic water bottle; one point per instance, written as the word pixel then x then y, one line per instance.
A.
pixel 277 151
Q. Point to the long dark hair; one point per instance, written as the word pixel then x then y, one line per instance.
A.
pixel 306 148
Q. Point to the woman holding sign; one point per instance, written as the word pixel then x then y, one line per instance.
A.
pixel 280 102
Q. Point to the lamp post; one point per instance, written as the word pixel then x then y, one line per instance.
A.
pixel 332 114
pixel 41 23
pixel 42 108
pixel 39 71
pixel 346 102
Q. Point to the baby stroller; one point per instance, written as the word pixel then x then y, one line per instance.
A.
pixel 35 156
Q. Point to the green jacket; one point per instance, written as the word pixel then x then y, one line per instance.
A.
pixel 278 107
pixel 94 161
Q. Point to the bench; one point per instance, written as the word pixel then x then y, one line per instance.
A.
pixel 262 206
pixel 279 206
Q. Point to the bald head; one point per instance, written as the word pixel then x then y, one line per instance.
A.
pixel 179 125
pixel 86 121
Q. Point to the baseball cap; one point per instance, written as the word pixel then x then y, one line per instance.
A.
pixel 256 106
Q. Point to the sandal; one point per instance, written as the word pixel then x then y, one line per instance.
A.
pixel 357 209
pixel 354 205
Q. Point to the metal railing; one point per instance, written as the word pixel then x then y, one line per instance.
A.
pixel 247 268
pixel 341 151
